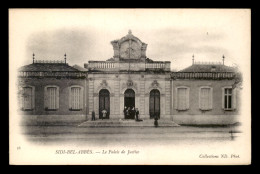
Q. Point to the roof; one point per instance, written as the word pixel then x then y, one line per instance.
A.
pixel 149 60
pixel 128 37
pixel 47 67
pixel 79 68
pixel 111 59
pixel 208 68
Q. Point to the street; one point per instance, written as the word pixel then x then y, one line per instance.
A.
pixel 53 135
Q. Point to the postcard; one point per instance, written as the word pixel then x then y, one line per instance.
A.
pixel 130 86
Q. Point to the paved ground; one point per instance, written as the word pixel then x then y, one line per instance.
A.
pixel 74 134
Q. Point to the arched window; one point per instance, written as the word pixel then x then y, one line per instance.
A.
pixel 104 103
pixel 154 103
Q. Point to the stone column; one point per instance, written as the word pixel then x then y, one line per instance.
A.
pixel 146 103
pixel 167 98
pixel 121 106
pixel 96 104
pixel 117 103
pixel 142 105
pixel 112 106
pixel 91 96
pixel 137 100
pixel 162 105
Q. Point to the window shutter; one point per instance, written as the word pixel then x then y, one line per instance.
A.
pixel 81 97
pixel 223 98
pixel 57 97
pixel 234 98
pixel 200 98
pixel 176 98
pixel 46 99
pixel 211 98
pixel 70 98
pixel 21 99
pixel 187 98
pixel 181 99
pixel 33 97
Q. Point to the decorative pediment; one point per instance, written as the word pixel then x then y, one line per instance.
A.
pixel 103 84
pixel 129 83
pixel 129 47
pixel 155 84
pixel 129 36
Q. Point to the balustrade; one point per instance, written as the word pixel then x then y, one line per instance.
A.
pixel 51 74
pixel 203 75
pixel 101 65
pixel 155 65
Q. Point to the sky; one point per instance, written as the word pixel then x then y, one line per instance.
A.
pixel 171 34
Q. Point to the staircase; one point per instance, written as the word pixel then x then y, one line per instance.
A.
pixel 127 123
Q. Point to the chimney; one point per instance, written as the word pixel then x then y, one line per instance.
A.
pixel 65 57
pixel 33 57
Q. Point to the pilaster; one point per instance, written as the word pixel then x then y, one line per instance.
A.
pixel 117 103
pixel 142 105
pixel 167 98
pixel 91 95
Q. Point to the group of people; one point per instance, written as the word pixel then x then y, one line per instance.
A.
pixel 103 116
pixel 131 113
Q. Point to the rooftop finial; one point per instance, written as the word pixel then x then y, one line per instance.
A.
pixel 193 59
pixel 65 57
pixel 33 57
pixel 223 58
pixel 129 32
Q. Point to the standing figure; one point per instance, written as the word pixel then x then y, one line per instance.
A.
pixel 128 113
pixel 137 114
pixel 156 120
pixel 125 109
pixel 104 114
pixel 133 113
pixel 93 116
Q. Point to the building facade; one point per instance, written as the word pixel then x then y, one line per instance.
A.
pixel 203 93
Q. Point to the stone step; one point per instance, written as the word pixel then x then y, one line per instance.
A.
pixel 127 123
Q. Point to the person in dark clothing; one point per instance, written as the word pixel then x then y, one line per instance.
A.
pixel 137 114
pixel 93 116
pixel 128 113
pixel 156 121
pixel 125 109
pixel 133 113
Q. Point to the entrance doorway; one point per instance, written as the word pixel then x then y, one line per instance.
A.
pixel 154 103
pixel 104 103
pixel 129 103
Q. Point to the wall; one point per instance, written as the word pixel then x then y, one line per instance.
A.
pixel 143 83
pixel 64 84
pixel 116 84
pixel 196 116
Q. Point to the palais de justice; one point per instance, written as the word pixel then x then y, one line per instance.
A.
pixel 203 93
